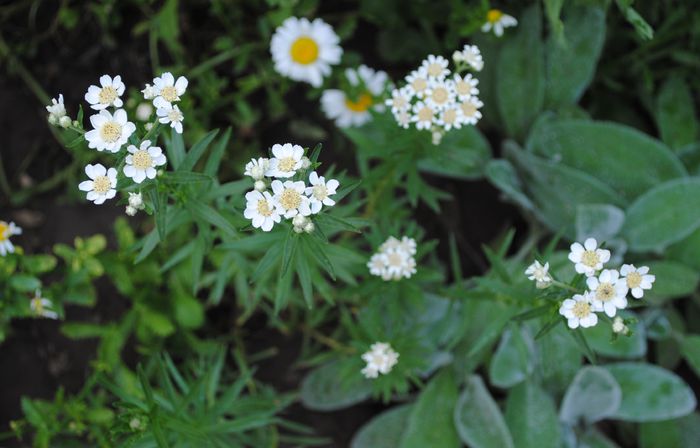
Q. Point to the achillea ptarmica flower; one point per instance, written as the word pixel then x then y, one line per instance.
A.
pixel 588 258
pixel 380 359
pixel 497 21
pixel 435 67
pixel 7 230
pixel 608 291
pixel 619 327
pixel 257 168
pixel 354 110
pixel 107 94
pixel 394 260
pixel 579 311
pixel 136 201
pixel 42 307
pixel 109 131
pixel 399 101
pixel 262 210
pixel 56 110
pixel 320 192
pixel 637 279
pixel 290 199
pixel 286 161
pixel 304 50
pixel 167 90
pixel 102 184
pixel 141 162
pixel 539 274
pixel 471 55
pixel 171 115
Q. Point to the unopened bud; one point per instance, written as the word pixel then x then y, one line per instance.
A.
pixel 131 211
pixel 64 121
pixel 305 162
pixel 309 227
pixel 260 185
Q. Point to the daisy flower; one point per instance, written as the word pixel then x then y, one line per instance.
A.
pixel 440 94
pixel 471 55
pixel 167 90
pixel 579 311
pixel 608 291
pixel 398 264
pixel 539 273
pixel 101 185
pixel 6 231
pixel 588 259
pixel 107 94
pixel 465 87
pixel 497 21
pixel 290 199
pixel 261 209
pixel 400 101
pixel 435 67
pixel 470 110
pixel 319 192
pixel 257 168
pixel 286 161
pixel 347 111
pixel 416 83
pixel 637 279
pixel 171 114
pixel 42 307
pixel 304 50
pixel 423 115
pixel 450 117
pixel 380 359
pixel 141 162
pixel 109 131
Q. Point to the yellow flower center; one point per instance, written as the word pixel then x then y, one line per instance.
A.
pixel 4 231
pixel 287 164
pixel 142 160
pixel 468 109
pixel 399 102
pixel 590 258
pixel 304 50
pixel 394 259
pixel 108 95
pixel 435 69
pixel 581 309
pixel 605 292
pixel 111 131
pixel 169 94
pixel 320 192
pixel 175 115
pixel 463 88
pixel 440 95
pixel 362 103
pixel 290 199
pixel 634 279
pixel 37 305
pixel 425 114
pixel 101 184
pixel 494 15
pixel 449 116
pixel 419 85
pixel 264 208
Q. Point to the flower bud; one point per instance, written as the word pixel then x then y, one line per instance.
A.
pixel 305 162
pixel 309 227
pixel 260 185
pixel 64 121
pixel 131 211
pixel 136 201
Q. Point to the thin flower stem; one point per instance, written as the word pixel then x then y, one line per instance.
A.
pixel 564 286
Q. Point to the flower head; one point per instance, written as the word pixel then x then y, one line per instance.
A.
pixel 107 94
pixel 171 114
pixel 320 192
pixel 608 291
pixel 257 168
pixel 637 279
pixel 167 90
pixel 304 51
pixel 435 67
pixel 579 311
pixel 6 231
pixel 619 327
pixel 286 161
pixel 141 162
pixel 109 131
pixel 497 21
pixel 290 199
pixel 394 260
pixel 380 359
pixel 136 201
pixel 102 184
pixel 42 307
pixel 539 273
pixel 56 110
pixel 588 258
pixel 261 208
pixel 471 55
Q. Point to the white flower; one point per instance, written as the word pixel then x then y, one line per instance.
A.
pixel 637 279
pixel 141 162
pixel 435 67
pixel 394 260
pixel 496 20
pixel 6 231
pixel 257 168
pixel 470 110
pixel 449 118
pixel 400 100
pixel 107 94
pixel 380 359
pixel 136 201
pixel 588 259
pixel 286 161
pixel 471 55
pixel 42 307
pixel 144 111
pixel 56 110
pixel 406 244
pixel 320 191
pixel 538 273
pixel 440 94
pixel 167 90
pixel 416 83
pixel 131 211
pixel 347 111
pixel 374 81
pixel 172 115
pixel 579 311
pixel 619 327
pixel 149 92
pixel 304 50
pixel 109 131
pixel 423 115
pixel 465 87
pixel 608 292
pixel 403 118
pixel 261 209
pixel 65 122
pixel 289 198
pixel 101 185
pixel 376 265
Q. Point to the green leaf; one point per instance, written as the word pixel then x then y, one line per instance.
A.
pixel 175 148
pixel 304 273
pixel 290 246
pixel 599 221
pixel 461 154
pixel 571 63
pixel 330 387
pixel 650 393
pixel 214 160
pixel 532 417
pixel 559 359
pixel 185 177
pixel 673 280
pixel 520 82
pixel 189 312
pixel 24 283
pixel 478 419
pixel 675 113
pixel 38 264
pixel 592 396
pixel 209 214
pixel 512 362
pixel 643 29
pixel 429 423
pixel 501 173
pixel 272 256
pixel 623 158
pixel 385 430
pixel 683 432
pixel 690 347
pixel 686 250
pixel 197 151
pixel 663 216
pixel 80 330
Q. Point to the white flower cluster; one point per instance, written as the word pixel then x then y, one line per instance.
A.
pixel 350 109
pixel 435 101
pixel 135 204
pixel 290 199
pixel 7 229
pixel 394 260
pixel 57 113
pixel 165 92
pixel 607 288
pixel 380 358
